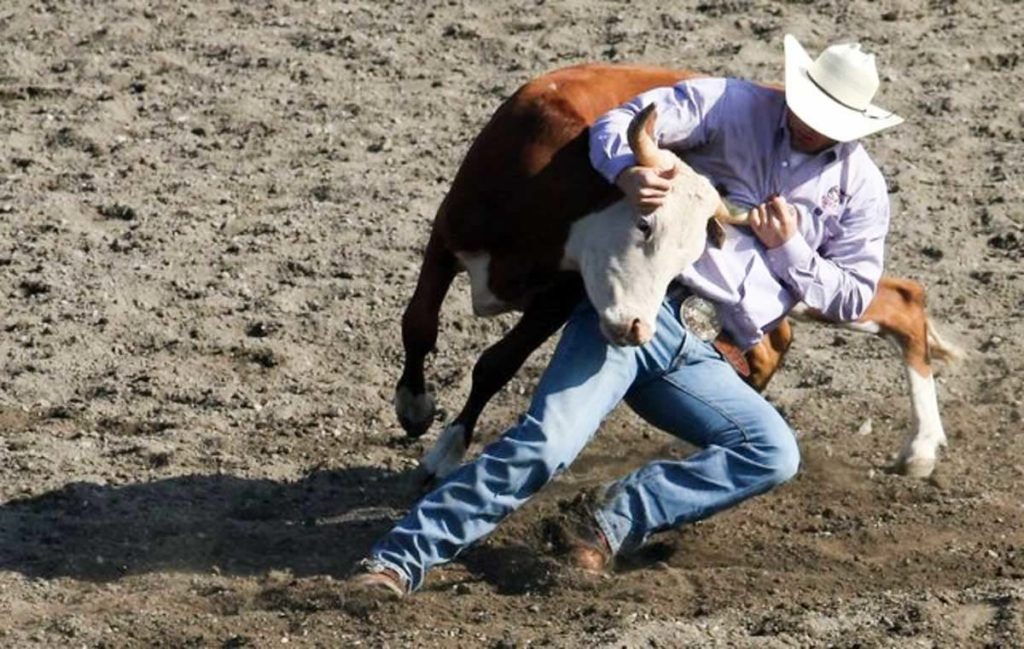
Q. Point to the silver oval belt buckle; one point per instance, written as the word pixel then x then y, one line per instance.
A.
pixel 701 317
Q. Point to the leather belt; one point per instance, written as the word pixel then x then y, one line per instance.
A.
pixel 731 352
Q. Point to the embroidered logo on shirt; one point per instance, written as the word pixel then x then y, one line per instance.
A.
pixel 832 200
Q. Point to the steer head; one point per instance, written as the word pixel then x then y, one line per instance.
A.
pixel 628 259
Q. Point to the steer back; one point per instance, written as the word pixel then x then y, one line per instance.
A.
pixel 527 177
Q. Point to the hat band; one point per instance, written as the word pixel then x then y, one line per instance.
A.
pixel 863 111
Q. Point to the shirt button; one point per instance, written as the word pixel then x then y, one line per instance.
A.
pixel 785 163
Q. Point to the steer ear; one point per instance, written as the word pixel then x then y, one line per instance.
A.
pixel 716 233
pixel 641 137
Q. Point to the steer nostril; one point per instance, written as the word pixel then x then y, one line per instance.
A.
pixel 624 333
pixel 639 332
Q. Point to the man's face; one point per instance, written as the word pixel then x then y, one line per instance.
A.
pixel 805 139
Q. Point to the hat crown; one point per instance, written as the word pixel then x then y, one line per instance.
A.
pixel 847 74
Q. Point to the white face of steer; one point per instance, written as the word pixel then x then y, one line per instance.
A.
pixel 627 260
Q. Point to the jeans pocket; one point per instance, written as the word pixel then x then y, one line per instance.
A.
pixel 689 350
pixel 694 350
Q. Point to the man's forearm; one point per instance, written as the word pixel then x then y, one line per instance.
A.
pixel 840 294
pixel 610 153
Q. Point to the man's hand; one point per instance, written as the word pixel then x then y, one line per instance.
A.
pixel 774 222
pixel 646 187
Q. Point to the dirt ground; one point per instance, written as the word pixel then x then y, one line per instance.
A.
pixel 211 216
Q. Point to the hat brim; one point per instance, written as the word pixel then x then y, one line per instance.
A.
pixel 820 111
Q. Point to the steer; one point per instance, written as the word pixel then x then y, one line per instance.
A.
pixel 527 216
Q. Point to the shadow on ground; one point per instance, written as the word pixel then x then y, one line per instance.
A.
pixel 320 524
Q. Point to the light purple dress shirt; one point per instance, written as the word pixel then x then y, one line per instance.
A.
pixel 735 133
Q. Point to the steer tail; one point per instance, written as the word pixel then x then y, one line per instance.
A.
pixel 941 349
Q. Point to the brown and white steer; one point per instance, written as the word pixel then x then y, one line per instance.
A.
pixel 527 216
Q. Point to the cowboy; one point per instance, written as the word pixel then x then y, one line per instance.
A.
pixel 819 213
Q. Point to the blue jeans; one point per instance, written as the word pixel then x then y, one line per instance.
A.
pixel 677 382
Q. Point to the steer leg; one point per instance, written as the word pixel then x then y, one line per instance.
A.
pixel 415 406
pixel 543 316
pixel 897 313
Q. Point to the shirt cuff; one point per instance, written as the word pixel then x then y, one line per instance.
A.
pixel 613 167
pixel 791 261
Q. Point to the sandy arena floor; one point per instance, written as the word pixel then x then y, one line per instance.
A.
pixel 211 216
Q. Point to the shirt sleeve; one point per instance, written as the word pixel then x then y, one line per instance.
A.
pixel 684 120
pixel 841 277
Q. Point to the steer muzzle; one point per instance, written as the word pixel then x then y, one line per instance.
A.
pixel 630 333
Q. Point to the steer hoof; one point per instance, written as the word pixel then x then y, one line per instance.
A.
pixel 415 411
pixel 423 478
pixel 414 429
pixel 915 467
pixel 443 458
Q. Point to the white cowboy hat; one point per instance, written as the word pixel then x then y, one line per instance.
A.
pixel 832 94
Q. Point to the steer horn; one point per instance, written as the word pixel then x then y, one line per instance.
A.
pixel 726 212
pixel 641 140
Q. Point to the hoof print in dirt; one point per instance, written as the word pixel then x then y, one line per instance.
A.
pixel 118 212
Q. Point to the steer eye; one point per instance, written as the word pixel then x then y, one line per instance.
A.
pixel 645 225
